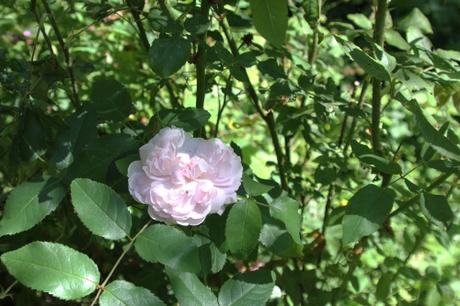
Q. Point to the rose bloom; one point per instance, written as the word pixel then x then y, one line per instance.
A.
pixel 183 179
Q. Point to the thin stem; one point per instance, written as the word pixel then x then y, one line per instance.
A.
pixel 142 34
pixel 379 29
pixel 313 50
pixel 355 120
pixel 228 87
pixel 117 263
pixel 200 64
pixel 65 51
pixel 267 117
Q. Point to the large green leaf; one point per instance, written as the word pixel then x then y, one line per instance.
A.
pixel 189 119
pixel 270 18
pixel 436 208
pixel 416 19
pixel 169 246
pixel 122 293
pixel 373 67
pixel 189 290
pixel 286 210
pixel 53 268
pixel 253 288
pixel 81 131
pixel 29 203
pixel 110 99
pixel 169 54
pixel 439 142
pixel 277 240
pixel 242 228
pixel 100 209
pixel 366 212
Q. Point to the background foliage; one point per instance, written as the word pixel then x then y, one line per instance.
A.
pixel 345 113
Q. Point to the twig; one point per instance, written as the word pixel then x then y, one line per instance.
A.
pixel 142 34
pixel 441 179
pixel 200 64
pixel 267 117
pixel 228 87
pixel 355 121
pixel 65 51
pixel 117 263
pixel 379 29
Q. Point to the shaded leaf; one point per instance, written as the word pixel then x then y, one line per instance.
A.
pixel 253 187
pixel 366 212
pixel 189 119
pixel 370 65
pixel 29 203
pixel 169 246
pixel 436 208
pixel 110 99
pixel 286 210
pixel 270 18
pixel 242 228
pixel 168 55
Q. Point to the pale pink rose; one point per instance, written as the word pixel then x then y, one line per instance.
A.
pixel 183 179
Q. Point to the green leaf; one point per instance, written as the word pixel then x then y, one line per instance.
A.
pixel 81 131
pixel 436 208
pixel 189 290
pixel 242 228
pixel 29 203
pixel 384 286
pixel 122 293
pixel 395 39
pixel 110 99
pixel 270 18
pixel 54 268
pixel 253 288
pixel 370 65
pixel 380 163
pixel 100 209
pixel 286 210
pixel 123 163
pixel 168 55
pixel 99 156
pixel 253 187
pixel 279 241
pixel 366 212
pixel 361 21
pixel 189 119
pixel 439 142
pixel 169 246
pixel 312 11
pixel 417 20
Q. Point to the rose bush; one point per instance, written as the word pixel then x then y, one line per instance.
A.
pixel 183 179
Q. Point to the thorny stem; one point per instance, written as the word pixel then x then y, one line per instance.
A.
pixel 355 121
pixel 142 34
pixel 117 263
pixel 379 29
pixel 228 87
pixel 65 51
pixel 266 116
pixel 200 64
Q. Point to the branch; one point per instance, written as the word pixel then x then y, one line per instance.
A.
pixel 267 117
pixel 379 29
pixel 65 51
pixel 117 263
pixel 200 64
pixel 142 34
